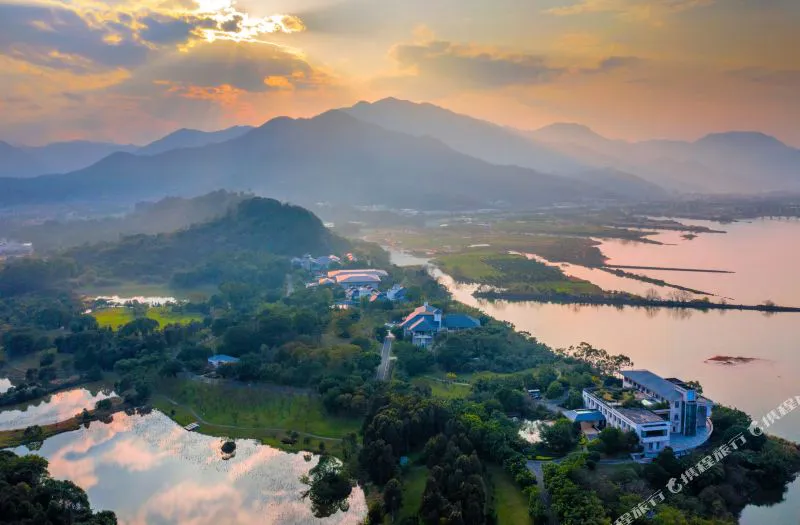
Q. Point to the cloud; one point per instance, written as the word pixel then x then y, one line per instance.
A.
pixel 436 68
pixel 96 37
pixel 471 67
pixel 251 67
pixel 788 78
pixel 651 10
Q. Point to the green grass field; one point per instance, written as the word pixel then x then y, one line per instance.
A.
pixel 414 481
pixel 113 317
pixel 116 317
pixel 514 273
pixel 444 390
pixel 509 501
pixel 274 410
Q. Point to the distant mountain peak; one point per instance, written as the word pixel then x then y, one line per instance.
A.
pixel 741 138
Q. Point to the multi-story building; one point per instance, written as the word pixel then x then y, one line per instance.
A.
pixel 662 412
pixel 688 411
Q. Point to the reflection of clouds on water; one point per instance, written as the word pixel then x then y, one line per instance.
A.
pixel 5 384
pixel 58 407
pixel 151 471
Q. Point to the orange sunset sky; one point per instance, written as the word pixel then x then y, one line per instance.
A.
pixel 133 70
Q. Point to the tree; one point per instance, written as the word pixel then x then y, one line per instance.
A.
pixel 560 437
pixel 554 390
pixel 329 487
pixel 392 497
pixel 574 400
pixel 229 447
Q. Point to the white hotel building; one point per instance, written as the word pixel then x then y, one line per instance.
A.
pixel 678 417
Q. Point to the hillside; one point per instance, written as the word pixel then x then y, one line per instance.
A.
pixel 333 158
pixel 254 239
pixel 166 215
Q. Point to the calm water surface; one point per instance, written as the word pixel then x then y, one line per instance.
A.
pixel 55 408
pixel 151 471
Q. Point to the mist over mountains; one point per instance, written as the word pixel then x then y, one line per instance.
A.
pixel 399 154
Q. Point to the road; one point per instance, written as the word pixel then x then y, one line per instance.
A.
pixel 289 285
pixel 386 358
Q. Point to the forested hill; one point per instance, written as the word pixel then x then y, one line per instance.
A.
pixel 256 235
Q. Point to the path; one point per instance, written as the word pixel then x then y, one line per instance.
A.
pixel 289 285
pixel 235 427
pixel 386 357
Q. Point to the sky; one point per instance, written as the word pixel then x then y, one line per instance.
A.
pixel 130 71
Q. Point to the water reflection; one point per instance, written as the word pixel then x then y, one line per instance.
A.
pixel 763 253
pixel 57 407
pixel 5 384
pixel 150 471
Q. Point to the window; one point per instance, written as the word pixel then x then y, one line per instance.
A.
pixel 677 404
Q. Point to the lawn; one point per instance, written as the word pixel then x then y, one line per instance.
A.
pixel 256 408
pixel 165 316
pixel 113 317
pixel 510 502
pixel 515 273
pixel 414 480
pixel 444 390
pixel 116 317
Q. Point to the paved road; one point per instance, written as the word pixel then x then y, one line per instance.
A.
pixel 386 354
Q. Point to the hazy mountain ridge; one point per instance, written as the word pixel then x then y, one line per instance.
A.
pixel 65 157
pixel 495 144
pixel 192 138
pixel 333 157
pixel 736 161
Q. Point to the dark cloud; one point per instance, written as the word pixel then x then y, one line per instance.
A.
pixel 34 33
pixel 473 68
pixel 613 63
pixel 74 97
pixel 245 66
pixel 789 78
pixel 161 29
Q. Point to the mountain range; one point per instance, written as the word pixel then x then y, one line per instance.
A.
pixel 64 157
pixel 401 154
pixel 732 162
pixel 333 157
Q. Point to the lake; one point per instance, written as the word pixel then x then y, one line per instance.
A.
pixel 765 254
pixel 149 470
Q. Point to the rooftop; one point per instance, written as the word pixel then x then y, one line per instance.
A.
pixel 640 416
pixel 460 321
pixel 654 383
pixel 583 415
pixel 222 358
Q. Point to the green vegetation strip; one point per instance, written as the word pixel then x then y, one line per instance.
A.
pixel 116 317
pixel 252 412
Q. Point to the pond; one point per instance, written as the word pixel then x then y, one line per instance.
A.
pixel 54 408
pixel 149 470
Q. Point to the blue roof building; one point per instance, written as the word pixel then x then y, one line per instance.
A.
pixel 426 321
pixel 222 359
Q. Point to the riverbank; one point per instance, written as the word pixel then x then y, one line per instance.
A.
pixel 629 300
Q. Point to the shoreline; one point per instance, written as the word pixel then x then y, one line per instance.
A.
pixel 630 301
